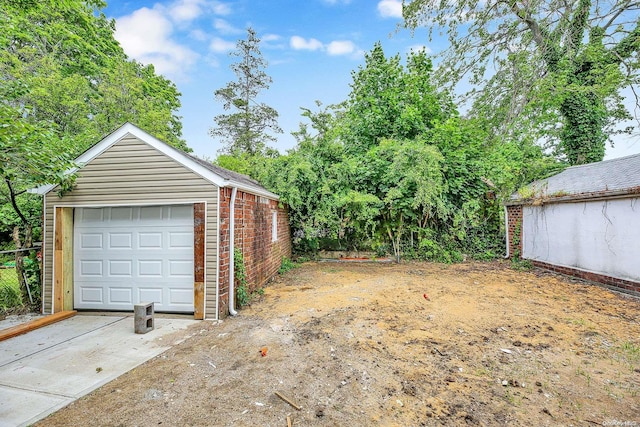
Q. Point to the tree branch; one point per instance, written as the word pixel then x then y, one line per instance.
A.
pixel 14 204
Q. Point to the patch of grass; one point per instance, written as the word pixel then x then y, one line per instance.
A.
pixel 286 265
pixel 630 353
pixel 520 264
pixel 9 290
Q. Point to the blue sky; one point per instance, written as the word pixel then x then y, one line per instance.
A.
pixel 312 46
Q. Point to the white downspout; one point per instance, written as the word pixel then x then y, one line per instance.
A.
pixel 232 225
pixel 506 234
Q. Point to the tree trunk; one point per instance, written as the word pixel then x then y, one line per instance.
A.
pixel 27 243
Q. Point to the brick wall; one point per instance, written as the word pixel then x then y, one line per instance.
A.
pixel 514 230
pixel 253 236
pixel 621 285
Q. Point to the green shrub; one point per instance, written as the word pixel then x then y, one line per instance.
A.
pixel 286 265
pixel 10 296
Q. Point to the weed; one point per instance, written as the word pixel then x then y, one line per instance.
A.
pixel 242 293
pixel 286 265
pixel 520 264
pixel 585 374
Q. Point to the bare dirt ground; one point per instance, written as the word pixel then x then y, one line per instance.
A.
pixel 361 345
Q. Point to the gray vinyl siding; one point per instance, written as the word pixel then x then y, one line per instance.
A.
pixel 132 172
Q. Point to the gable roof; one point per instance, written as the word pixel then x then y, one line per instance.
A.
pixel 215 174
pixel 594 180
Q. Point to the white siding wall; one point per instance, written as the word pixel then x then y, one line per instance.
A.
pixel 599 236
pixel 133 173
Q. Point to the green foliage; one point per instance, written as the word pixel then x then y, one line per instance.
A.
pixel 246 130
pixel 79 81
pixel 286 265
pixel 540 71
pixel 240 274
pixel 10 296
pixel 65 83
pixel 394 169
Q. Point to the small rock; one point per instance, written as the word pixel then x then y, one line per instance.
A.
pixel 505 383
pixel 320 412
pixel 506 350
pixel 538 384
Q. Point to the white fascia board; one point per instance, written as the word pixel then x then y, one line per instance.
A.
pixel 253 190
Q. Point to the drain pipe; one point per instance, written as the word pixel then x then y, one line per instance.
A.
pixel 232 225
pixel 506 234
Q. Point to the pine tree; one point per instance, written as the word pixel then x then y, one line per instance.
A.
pixel 249 125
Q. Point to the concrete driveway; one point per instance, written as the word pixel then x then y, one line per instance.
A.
pixel 46 369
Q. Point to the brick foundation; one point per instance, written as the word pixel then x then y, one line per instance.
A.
pixel 253 236
pixel 620 285
pixel 514 233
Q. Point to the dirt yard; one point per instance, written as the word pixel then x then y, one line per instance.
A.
pixel 415 344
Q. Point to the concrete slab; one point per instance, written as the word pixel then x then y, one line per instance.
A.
pixel 52 366
pixel 44 338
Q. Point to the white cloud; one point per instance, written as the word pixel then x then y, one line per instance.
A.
pixel 186 10
pixel 220 8
pixel 341 47
pixel 390 8
pixel 270 38
pixel 145 35
pixel 299 43
pixel 224 27
pixel 337 1
pixel 198 34
pixel 219 45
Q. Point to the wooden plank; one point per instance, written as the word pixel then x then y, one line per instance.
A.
pixel 67 255
pixel 58 262
pixel 198 259
pixel 14 331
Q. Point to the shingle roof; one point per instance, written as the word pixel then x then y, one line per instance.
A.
pixel 227 175
pixel 616 176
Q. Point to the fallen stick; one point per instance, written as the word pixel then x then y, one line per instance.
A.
pixel 286 399
pixel 288 421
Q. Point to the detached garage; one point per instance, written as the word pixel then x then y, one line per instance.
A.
pixel 582 222
pixel 146 222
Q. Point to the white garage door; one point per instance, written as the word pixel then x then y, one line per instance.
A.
pixel 129 255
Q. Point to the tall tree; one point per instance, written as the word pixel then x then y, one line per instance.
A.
pixel 78 76
pixel 65 82
pixel 247 129
pixel 559 66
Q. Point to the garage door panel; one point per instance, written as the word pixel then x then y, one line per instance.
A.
pixel 181 214
pixel 92 294
pixel 180 297
pixel 120 268
pixel 121 214
pixel 120 240
pixel 148 257
pixel 180 268
pixel 90 268
pixel 91 241
pixel 149 268
pixel 151 213
pixel 180 239
pixel 149 240
pixel 120 296
pixel 90 215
